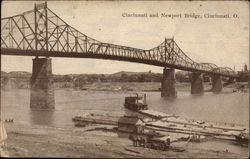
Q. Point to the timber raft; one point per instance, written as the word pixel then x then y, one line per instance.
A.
pixel 162 122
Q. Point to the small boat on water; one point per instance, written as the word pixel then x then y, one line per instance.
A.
pixel 136 103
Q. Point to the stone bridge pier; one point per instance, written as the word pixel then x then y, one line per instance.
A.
pixel 197 84
pixel 41 85
pixel 216 83
pixel 168 83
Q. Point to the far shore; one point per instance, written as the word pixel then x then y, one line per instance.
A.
pixel 141 86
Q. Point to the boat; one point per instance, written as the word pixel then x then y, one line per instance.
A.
pixel 136 102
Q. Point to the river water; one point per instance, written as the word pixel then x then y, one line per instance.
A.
pixel 223 107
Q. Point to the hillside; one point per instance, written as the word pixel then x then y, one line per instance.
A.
pixel 21 79
pixel 119 74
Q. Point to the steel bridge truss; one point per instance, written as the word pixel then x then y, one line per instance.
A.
pixel 42 30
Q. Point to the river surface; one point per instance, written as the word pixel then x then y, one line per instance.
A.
pixel 223 107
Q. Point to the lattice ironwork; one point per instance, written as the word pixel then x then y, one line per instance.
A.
pixel 41 30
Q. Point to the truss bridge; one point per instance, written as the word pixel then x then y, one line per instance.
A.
pixel 41 32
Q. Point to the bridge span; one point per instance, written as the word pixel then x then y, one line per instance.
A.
pixel 41 32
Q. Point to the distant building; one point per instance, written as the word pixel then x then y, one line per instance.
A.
pixel 131 124
pixel 244 75
pixel 245 67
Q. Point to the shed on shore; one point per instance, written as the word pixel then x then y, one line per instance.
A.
pixel 131 124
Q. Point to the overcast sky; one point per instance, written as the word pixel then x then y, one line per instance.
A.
pixel 222 41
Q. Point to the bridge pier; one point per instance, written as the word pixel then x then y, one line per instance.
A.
pixel 197 84
pixel 41 85
pixel 216 83
pixel 168 83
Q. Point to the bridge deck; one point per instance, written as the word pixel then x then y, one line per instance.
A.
pixel 17 52
pixel 41 32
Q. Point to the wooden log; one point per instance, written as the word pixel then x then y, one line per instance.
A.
pixel 187 131
pixel 212 127
pixel 95 121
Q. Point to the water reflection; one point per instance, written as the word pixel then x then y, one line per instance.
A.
pixel 194 96
pixel 168 99
pixel 42 117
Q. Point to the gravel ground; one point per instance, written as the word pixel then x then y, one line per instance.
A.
pixel 43 141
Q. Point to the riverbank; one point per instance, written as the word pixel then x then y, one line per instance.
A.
pixel 153 86
pixel 124 81
pixel 44 141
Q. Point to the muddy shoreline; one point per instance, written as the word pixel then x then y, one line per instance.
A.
pixel 43 141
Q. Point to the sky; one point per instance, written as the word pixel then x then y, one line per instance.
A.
pixel 222 41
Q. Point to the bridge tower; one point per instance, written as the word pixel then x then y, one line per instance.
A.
pixel 216 83
pixel 168 83
pixel 41 85
pixel 197 84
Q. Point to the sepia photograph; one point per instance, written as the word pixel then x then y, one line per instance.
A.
pixel 124 79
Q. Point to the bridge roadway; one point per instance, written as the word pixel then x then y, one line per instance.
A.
pixel 18 52
pixel 40 32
